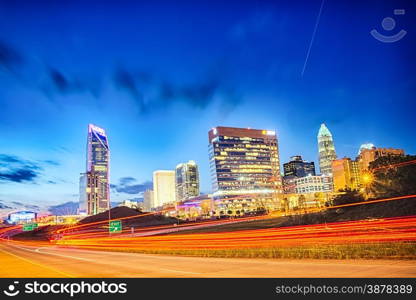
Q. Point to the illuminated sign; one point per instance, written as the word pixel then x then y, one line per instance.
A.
pixel 30 226
pixel 21 216
pixel 97 129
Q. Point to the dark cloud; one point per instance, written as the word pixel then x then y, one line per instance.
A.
pixel 16 169
pixel 125 80
pixel 198 95
pixel 127 180
pixel 60 83
pixel 51 162
pixel 9 57
pixel 160 93
pixel 29 206
pixel 4 206
pixel 127 185
pixel 136 199
pixel 5 159
pixel 19 175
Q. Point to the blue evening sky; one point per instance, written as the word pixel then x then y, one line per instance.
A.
pixel 158 75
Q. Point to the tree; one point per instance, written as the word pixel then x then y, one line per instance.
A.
pixel 301 202
pixel 284 205
pixel 393 176
pixel 348 196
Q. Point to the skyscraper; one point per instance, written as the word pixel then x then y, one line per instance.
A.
pixel 298 167
pixel 245 164
pixel 186 180
pixel 326 150
pixel 96 178
pixel 163 187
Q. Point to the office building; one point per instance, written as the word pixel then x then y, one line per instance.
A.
pixel 313 184
pixel 163 187
pixel 346 174
pixel 298 167
pixel 186 180
pixel 289 184
pixel 148 202
pixel 82 207
pixel 368 155
pixel 245 169
pixel 326 150
pixel 94 183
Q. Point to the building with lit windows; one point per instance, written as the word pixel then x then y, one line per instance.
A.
pixel 163 188
pixel 186 180
pixel 313 184
pixel 326 150
pixel 368 155
pixel 245 169
pixel 289 184
pixel 94 184
pixel 298 167
pixel 346 174
pixel 82 206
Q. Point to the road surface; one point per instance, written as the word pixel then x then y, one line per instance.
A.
pixel 51 261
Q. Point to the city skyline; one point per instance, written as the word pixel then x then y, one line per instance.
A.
pixel 158 102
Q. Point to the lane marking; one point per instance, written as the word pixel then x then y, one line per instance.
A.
pixel 38 250
pixel 37 264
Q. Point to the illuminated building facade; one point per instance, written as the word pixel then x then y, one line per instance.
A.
pixel 326 150
pixel 313 184
pixel 289 184
pixel 96 179
pixel 368 155
pixel 346 174
pixel 82 207
pixel 186 180
pixel 245 169
pixel 148 202
pixel 298 167
pixel 195 207
pixel 163 187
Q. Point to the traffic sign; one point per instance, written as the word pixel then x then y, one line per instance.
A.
pixel 115 226
pixel 30 226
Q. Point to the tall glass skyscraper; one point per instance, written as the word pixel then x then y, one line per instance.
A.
pixel 326 150
pixel 245 168
pixel 186 181
pixel 97 176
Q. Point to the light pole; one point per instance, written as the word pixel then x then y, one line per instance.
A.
pixel 367 180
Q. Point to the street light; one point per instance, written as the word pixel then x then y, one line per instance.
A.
pixel 367 178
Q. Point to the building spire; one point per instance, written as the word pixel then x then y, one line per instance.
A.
pixel 326 150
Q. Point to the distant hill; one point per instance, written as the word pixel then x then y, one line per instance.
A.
pixel 4 206
pixel 7 207
pixel 123 211
pixel 67 208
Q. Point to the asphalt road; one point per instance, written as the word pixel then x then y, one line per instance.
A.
pixel 53 261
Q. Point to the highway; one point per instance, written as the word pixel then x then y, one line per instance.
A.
pixel 22 260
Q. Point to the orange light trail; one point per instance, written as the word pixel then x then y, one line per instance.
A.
pixel 103 232
pixel 383 230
